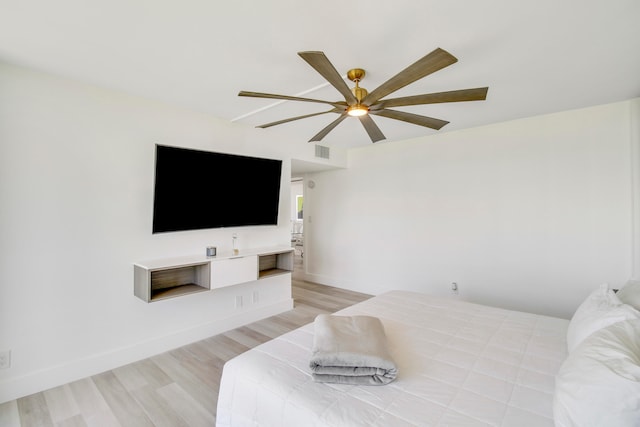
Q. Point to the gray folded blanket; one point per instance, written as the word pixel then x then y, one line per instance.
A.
pixel 351 350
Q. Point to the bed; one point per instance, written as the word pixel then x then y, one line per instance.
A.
pixel 459 364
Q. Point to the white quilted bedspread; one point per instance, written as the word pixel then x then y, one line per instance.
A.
pixel 459 364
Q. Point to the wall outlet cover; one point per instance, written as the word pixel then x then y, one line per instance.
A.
pixel 5 359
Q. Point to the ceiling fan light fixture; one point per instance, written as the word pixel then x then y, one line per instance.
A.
pixel 357 110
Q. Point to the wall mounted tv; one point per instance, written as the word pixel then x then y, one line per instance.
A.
pixel 202 189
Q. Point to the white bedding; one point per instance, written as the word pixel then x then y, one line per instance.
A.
pixel 459 364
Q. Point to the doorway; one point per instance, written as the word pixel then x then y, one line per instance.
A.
pixel 297 225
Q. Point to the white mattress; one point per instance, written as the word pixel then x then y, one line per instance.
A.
pixel 459 364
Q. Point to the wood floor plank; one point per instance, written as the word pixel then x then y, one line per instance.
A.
pixel 190 382
pixel 207 371
pixel 121 402
pixel 75 421
pixel 200 350
pixel 61 403
pixel 157 408
pixel 224 347
pixel 130 378
pixel 176 388
pixel 34 411
pixel 182 403
pixel 155 376
pixel 9 414
pixel 94 409
pixel 246 336
pixel 269 328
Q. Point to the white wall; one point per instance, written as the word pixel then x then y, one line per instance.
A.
pixel 531 214
pixel 76 192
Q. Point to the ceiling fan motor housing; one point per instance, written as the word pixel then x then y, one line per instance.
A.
pixel 360 93
pixel 355 75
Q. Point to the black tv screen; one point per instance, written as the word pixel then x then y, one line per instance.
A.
pixel 202 189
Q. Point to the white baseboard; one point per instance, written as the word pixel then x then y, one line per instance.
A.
pixel 320 279
pixel 330 281
pixel 34 382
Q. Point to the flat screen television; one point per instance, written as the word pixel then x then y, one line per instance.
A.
pixel 202 189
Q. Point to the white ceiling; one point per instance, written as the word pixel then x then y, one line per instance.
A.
pixel 536 57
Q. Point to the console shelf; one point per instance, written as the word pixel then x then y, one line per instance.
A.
pixel 176 291
pixel 274 264
pixel 156 280
pixel 169 278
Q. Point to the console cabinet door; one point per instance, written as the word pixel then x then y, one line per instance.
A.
pixel 233 271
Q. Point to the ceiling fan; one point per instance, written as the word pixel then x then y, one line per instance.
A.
pixel 362 104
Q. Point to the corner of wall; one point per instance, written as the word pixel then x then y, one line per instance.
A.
pixel 635 185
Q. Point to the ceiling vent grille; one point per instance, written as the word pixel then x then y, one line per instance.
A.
pixel 322 152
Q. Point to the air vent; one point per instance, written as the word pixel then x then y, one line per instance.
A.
pixel 322 152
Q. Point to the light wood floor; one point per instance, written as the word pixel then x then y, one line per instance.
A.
pixel 177 388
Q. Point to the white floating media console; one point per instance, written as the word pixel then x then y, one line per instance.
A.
pixel 160 279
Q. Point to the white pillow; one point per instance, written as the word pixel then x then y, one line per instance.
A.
pixel 599 383
pixel 630 294
pixel 601 308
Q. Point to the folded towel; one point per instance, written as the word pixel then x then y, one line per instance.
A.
pixel 351 350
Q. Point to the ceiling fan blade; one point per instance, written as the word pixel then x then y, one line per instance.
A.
pixel 321 64
pixel 291 119
pixel 416 119
pixel 434 61
pixel 290 98
pixel 328 128
pixel 476 94
pixel 372 128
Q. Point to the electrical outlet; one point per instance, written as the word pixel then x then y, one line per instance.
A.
pixel 454 288
pixel 239 301
pixel 256 297
pixel 5 359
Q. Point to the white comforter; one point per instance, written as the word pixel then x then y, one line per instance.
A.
pixel 459 364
